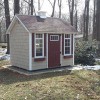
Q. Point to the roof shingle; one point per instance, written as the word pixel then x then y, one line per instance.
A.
pixel 47 25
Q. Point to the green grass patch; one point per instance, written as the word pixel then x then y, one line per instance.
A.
pixel 83 84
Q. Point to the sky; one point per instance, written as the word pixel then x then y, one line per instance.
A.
pixel 65 10
pixel 45 6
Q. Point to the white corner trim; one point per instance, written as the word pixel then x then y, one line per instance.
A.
pixel 73 47
pixel 30 51
pixel 47 48
pixel 22 24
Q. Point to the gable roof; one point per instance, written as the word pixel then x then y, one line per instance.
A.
pixel 35 24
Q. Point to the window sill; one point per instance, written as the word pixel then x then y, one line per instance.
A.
pixel 68 56
pixel 39 59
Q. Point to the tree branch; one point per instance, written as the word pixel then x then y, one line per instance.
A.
pixel 26 2
pixel 50 3
pixel 2 5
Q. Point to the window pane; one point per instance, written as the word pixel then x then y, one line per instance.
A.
pixel 67 35
pixel 39 45
pixel 38 40
pixel 38 35
pixel 67 50
pixel 67 42
pixel 54 37
pixel 38 51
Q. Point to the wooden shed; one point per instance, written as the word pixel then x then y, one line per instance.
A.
pixel 39 42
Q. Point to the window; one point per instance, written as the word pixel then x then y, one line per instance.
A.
pixel 39 45
pixel 54 37
pixel 67 44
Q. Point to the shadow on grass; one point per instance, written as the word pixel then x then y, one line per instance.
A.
pixel 8 77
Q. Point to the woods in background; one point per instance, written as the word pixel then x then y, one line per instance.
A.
pixel 86 22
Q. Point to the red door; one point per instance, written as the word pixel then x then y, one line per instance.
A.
pixel 53 51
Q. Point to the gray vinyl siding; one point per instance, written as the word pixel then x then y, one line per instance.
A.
pixel 39 64
pixel 65 62
pixel 19 46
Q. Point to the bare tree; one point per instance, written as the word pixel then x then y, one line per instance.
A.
pixel 16 7
pixel 97 27
pixel 76 16
pixel 86 20
pixel 71 10
pixel 59 5
pixel 98 21
pixel 94 21
pixel 7 17
pixel 53 7
pixel 31 6
pixel 39 5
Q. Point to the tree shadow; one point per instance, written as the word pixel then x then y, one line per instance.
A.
pixel 9 77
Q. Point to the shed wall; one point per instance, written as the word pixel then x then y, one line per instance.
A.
pixel 68 61
pixel 19 46
pixel 39 64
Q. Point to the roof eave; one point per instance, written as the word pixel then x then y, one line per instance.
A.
pixel 50 32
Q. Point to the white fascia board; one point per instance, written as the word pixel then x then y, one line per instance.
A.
pixel 11 25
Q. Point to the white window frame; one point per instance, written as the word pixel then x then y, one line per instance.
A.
pixel 65 46
pixel 54 35
pixel 42 47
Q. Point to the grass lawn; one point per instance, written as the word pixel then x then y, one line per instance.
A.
pixel 66 85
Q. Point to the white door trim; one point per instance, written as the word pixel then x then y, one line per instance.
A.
pixel 61 49
pixel 47 48
pixel 73 48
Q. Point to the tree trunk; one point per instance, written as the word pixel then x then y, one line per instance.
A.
pixel 59 5
pixel 38 5
pixel 71 10
pixel 98 26
pixel 98 20
pixel 7 17
pixel 94 21
pixel 16 7
pixel 31 7
pixel 53 8
pixel 76 20
pixel 86 20
pixel 76 17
